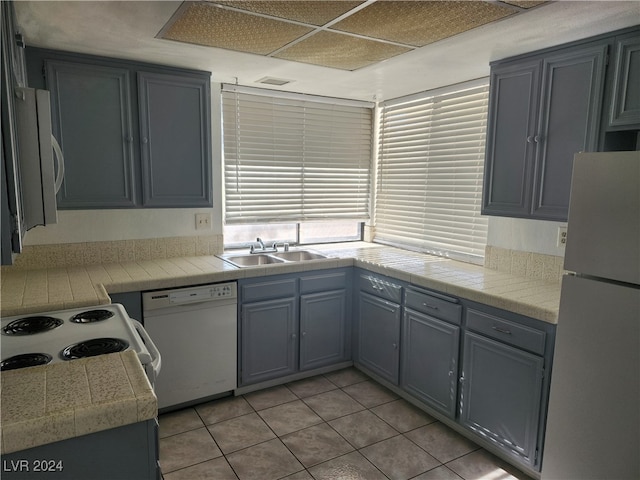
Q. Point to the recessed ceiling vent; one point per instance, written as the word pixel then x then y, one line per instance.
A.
pixel 274 81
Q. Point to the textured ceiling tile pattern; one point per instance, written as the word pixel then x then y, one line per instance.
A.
pixel 206 24
pixel 340 51
pixel 524 3
pixel 314 13
pixel 421 23
pixel 301 30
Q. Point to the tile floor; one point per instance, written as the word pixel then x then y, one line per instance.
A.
pixel 341 425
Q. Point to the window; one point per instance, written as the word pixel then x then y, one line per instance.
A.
pixel 294 160
pixel 429 177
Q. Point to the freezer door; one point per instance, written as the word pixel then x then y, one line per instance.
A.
pixel 593 423
pixel 603 233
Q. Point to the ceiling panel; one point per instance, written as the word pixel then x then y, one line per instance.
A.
pixel 314 13
pixel 421 23
pixel 204 23
pixel 337 50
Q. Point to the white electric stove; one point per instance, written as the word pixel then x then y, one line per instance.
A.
pixel 58 336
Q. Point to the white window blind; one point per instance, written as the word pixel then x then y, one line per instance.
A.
pixel 295 160
pixel 430 165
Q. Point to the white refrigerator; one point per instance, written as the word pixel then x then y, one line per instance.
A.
pixel 593 422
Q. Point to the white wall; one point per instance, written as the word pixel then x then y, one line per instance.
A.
pixel 76 226
pixel 538 236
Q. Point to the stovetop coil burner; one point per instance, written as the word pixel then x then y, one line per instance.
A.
pixel 93 347
pixel 25 360
pixel 32 325
pixel 91 316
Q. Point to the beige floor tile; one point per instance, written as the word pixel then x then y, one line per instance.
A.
pixel 399 458
pixel 218 469
pixel 480 465
pixel 441 441
pixel 316 444
pixel 187 449
pixel 440 473
pixel 223 409
pixel 178 422
pixel 402 416
pixel 352 466
pixel 333 404
pixel 346 377
pixel 265 461
pixel 240 432
pixel 362 428
pixel 311 386
pixel 270 397
pixel 370 394
pixel 289 417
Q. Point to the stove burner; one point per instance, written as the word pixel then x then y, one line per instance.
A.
pixel 93 347
pixel 31 325
pixel 25 360
pixel 91 316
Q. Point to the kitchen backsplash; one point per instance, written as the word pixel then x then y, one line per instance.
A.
pixel 91 253
pixel 524 264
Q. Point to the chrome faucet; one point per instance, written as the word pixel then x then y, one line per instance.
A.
pixel 262 247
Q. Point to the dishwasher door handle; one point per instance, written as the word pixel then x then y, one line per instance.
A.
pixel 156 358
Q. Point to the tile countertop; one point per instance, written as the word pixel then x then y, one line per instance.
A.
pixel 50 403
pixel 74 398
pixel 32 291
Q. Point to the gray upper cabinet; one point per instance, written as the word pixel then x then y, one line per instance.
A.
pixel 542 110
pixel 91 109
pixel 625 105
pixel 175 132
pixel 133 135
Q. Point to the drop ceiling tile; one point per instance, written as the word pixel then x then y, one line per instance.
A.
pixel 203 23
pixel 314 13
pixel 421 23
pixel 524 3
pixel 337 50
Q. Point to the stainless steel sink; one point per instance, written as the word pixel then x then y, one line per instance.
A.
pixel 243 260
pixel 298 255
pixel 251 260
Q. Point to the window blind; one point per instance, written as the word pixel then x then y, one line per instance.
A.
pixel 295 160
pixel 430 164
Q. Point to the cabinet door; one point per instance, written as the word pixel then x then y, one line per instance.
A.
pixel 513 110
pixel 379 336
pixel 430 360
pixel 571 104
pixel 176 139
pixel 323 329
pixel 92 121
pixel 625 105
pixel 269 340
pixel 501 389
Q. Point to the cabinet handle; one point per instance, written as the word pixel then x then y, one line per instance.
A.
pixel 376 287
pixel 530 139
pixel 129 138
pixel 537 138
pixel 145 140
pixel 293 336
pixel 506 331
pixel 461 379
pixel 432 307
pixel 395 346
pixel 304 333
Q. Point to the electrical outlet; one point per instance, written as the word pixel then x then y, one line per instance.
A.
pixel 562 236
pixel 203 221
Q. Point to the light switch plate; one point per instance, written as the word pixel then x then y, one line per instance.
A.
pixel 562 236
pixel 203 221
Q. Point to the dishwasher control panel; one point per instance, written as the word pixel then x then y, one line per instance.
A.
pixel 190 295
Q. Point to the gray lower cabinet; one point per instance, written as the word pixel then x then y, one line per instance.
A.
pixel 269 340
pixel 430 360
pixel 292 323
pixel 543 109
pixel 323 329
pixel 503 386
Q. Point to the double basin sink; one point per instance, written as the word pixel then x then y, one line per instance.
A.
pixel 242 260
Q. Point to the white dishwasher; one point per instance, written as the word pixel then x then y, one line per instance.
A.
pixel 195 329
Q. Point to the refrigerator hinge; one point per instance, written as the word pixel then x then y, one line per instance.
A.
pixel 542 372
